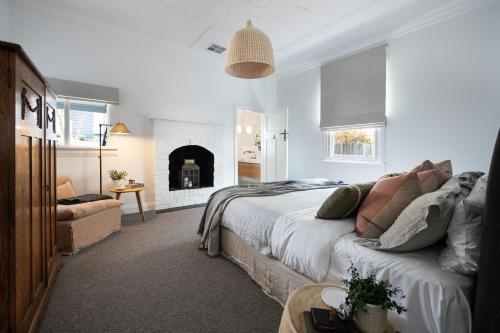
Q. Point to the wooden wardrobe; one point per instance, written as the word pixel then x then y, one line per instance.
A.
pixel 29 260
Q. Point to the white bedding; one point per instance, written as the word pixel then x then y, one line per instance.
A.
pixel 437 300
pixel 253 218
pixel 304 243
pixel 285 225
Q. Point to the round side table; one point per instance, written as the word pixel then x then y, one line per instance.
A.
pixel 301 300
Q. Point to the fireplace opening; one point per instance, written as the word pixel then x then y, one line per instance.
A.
pixel 185 156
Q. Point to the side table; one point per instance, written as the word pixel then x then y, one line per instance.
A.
pixel 301 300
pixel 137 191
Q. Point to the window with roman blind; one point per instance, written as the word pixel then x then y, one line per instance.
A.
pixel 353 91
pixel 81 107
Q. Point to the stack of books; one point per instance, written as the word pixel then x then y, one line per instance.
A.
pixel 135 185
pixel 321 320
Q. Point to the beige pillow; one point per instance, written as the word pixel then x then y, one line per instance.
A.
pixel 65 191
pixel 431 175
pixel 444 166
pixel 388 198
pixel 431 180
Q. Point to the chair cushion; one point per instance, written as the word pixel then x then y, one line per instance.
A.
pixel 73 212
pixel 65 191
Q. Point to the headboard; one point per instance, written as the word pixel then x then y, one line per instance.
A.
pixel 487 300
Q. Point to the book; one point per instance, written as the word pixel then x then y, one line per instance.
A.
pixel 135 185
pixel 323 321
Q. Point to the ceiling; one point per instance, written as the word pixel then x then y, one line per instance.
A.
pixel 294 26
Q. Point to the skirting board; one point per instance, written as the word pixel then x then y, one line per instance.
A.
pixel 131 208
pixel 179 208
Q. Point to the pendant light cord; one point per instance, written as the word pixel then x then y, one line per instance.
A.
pixel 249 10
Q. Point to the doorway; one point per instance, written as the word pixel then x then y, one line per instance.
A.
pixel 249 148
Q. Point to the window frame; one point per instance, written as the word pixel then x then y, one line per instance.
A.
pixel 67 124
pixel 328 155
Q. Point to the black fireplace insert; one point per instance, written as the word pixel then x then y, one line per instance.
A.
pixel 202 158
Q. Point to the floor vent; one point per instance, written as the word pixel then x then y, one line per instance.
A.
pixel 216 48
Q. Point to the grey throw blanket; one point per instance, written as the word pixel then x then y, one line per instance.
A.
pixel 83 198
pixel 210 222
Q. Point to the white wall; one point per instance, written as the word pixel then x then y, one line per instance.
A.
pixel 443 102
pixel 4 20
pixel 154 78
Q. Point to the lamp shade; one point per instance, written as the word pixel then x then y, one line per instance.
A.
pixel 119 128
pixel 250 54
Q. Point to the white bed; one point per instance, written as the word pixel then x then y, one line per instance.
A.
pixel 253 218
pixel 284 227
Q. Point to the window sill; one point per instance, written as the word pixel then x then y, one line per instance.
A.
pixel 84 148
pixel 77 151
pixel 353 162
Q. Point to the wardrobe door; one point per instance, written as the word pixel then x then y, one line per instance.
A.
pixel 7 204
pixel 29 244
pixel 50 181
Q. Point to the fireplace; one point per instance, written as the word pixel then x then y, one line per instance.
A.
pixel 177 141
pixel 200 157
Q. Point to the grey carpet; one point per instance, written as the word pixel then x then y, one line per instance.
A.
pixel 150 277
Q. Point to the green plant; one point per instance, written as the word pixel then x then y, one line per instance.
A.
pixel 352 136
pixel 117 174
pixel 368 290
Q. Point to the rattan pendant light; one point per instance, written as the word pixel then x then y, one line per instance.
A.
pixel 249 54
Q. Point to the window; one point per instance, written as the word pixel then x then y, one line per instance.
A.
pixel 78 122
pixel 354 144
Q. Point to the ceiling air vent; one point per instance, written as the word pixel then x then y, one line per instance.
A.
pixel 216 48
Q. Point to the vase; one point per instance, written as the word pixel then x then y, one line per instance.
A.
pixel 373 320
pixel 119 184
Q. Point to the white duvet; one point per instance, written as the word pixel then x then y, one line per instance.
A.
pixel 437 300
pixel 304 243
pixel 253 218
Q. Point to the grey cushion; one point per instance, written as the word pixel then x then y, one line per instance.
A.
pixel 464 232
pixel 344 201
pixel 425 220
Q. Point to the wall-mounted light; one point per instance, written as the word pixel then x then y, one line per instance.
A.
pixel 238 129
pixel 248 129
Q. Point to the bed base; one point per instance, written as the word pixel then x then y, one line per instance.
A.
pixel 276 280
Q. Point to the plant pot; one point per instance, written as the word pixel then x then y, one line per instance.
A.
pixel 373 320
pixel 119 184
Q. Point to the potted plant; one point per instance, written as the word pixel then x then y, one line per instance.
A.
pixel 371 299
pixel 118 178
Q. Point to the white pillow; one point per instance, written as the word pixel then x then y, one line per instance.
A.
pixel 461 253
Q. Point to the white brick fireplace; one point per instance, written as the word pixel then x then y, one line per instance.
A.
pixel 170 135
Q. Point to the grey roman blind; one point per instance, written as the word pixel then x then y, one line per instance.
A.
pixel 353 90
pixel 84 91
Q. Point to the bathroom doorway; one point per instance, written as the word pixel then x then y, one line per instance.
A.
pixel 250 158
